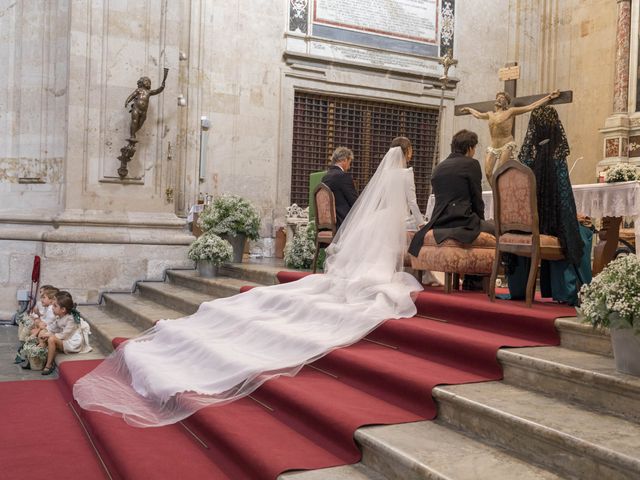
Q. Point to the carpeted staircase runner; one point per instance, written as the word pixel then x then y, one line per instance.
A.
pixel 307 422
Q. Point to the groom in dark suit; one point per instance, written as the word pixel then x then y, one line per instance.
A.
pixel 340 182
pixel 459 210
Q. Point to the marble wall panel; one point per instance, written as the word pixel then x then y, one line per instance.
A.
pixel 32 102
pixel 111 49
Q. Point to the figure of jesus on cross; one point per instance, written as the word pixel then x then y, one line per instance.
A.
pixel 503 146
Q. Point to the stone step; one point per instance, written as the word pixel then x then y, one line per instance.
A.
pixel 215 287
pixel 264 274
pixel 106 326
pixel 585 378
pixel 140 312
pixel 347 472
pixel 174 297
pixel 581 336
pixel 428 450
pixel 543 430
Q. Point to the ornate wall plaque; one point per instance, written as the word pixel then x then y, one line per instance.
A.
pixel 395 35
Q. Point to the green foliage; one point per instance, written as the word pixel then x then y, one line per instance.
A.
pixel 211 247
pixel 299 252
pixel 621 172
pixel 233 215
pixel 612 299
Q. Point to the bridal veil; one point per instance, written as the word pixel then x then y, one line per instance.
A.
pixel 230 346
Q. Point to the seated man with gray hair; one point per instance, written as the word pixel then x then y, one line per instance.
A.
pixel 340 181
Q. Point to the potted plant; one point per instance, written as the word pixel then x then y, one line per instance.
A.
pixel 612 300
pixel 621 172
pixel 299 252
pixel 210 251
pixel 36 355
pixel 234 219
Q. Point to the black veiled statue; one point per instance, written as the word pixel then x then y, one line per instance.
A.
pixel 545 150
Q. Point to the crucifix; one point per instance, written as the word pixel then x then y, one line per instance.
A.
pixel 501 114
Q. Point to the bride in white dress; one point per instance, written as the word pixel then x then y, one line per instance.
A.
pixel 230 346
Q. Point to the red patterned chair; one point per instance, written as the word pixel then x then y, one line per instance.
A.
pixel 517 226
pixel 325 208
pixel 455 258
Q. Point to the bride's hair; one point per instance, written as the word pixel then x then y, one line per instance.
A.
pixel 403 142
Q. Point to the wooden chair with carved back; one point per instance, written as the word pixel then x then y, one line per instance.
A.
pixel 517 225
pixel 325 210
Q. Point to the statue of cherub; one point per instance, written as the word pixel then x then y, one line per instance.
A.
pixel 139 100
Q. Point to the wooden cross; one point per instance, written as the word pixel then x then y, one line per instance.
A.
pixel 510 76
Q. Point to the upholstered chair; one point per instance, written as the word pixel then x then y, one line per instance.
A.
pixel 517 227
pixel 325 208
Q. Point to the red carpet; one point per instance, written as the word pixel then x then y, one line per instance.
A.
pixel 40 436
pixel 296 423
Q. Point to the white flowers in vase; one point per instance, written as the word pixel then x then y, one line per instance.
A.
pixel 621 172
pixel 231 215
pixel 612 299
pixel 211 248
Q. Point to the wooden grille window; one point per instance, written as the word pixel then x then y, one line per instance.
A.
pixel 321 123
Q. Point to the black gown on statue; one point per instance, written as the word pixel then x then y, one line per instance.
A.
pixel 545 150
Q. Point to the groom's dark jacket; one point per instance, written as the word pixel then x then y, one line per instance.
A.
pixel 458 209
pixel 344 191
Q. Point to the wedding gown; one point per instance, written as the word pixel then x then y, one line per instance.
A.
pixel 230 346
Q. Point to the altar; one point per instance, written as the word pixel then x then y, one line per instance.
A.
pixel 597 200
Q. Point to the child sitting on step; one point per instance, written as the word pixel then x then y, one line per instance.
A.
pixel 68 333
pixel 33 327
pixel 44 315
pixel 38 309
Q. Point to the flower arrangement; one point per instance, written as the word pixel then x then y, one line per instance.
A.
pixel 612 299
pixel 231 215
pixel 299 253
pixel 25 324
pixel 33 350
pixel 621 172
pixel 35 354
pixel 210 247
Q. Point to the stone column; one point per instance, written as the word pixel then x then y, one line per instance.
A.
pixel 617 126
pixel 623 37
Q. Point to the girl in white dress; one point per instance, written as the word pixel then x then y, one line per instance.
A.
pixel 230 346
pixel 68 333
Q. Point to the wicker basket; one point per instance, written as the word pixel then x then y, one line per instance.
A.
pixel 37 363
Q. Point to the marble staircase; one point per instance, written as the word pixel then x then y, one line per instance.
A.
pixel 560 412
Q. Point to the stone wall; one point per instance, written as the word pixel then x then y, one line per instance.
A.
pixel 70 68
pixel 33 97
pixel 232 76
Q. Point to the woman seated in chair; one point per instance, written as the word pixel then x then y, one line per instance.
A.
pixel 545 150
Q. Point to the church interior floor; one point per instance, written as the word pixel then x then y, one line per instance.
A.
pixel 552 408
